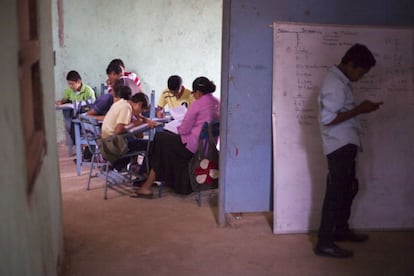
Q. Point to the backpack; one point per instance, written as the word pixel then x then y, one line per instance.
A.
pixel 204 165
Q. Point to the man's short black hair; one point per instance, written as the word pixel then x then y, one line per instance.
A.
pixel 141 98
pixel 73 76
pixel 121 90
pixel 117 61
pixel 113 68
pixel 174 82
pixel 360 56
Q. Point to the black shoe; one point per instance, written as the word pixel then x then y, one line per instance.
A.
pixel 333 251
pixel 350 236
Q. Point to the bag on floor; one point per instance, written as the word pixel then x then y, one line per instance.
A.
pixel 204 165
pixel 112 147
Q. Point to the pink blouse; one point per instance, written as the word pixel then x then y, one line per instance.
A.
pixel 205 109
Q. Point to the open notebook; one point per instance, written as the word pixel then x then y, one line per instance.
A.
pixel 177 113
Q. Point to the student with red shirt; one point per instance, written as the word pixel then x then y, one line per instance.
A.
pixel 129 75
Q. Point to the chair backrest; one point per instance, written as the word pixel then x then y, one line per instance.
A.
pixel 90 130
pixel 104 88
pixel 152 106
pixel 215 130
pixel 95 90
pixel 215 127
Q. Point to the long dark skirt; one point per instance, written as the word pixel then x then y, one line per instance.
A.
pixel 169 159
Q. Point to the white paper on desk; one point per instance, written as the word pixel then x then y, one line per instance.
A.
pixel 140 128
pixel 173 125
pixel 65 106
pixel 178 114
pixel 161 120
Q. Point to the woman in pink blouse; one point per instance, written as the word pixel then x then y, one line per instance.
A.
pixel 171 152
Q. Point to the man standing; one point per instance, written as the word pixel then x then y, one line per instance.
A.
pixel 340 131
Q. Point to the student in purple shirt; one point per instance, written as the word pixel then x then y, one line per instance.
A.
pixel 101 106
pixel 172 152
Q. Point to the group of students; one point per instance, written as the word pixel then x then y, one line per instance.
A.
pixel 170 153
pixel 125 106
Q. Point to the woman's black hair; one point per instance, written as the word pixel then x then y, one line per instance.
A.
pixel 204 85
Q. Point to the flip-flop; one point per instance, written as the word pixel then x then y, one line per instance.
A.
pixel 146 196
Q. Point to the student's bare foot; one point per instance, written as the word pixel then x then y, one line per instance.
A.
pixel 142 194
pixel 143 191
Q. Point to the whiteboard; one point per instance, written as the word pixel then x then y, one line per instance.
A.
pixel 302 55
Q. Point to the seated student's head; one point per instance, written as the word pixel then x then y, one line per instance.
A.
pixel 114 73
pixel 74 80
pixel 139 103
pixel 202 86
pixel 175 84
pixel 119 62
pixel 121 91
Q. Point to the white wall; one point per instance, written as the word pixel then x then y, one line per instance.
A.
pixel 155 39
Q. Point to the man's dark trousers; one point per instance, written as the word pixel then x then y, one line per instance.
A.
pixel 341 188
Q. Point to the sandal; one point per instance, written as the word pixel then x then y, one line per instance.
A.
pixel 146 196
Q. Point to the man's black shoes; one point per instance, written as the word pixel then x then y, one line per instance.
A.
pixel 350 236
pixel 332 250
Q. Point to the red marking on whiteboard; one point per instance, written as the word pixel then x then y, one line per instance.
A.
pixel 237 151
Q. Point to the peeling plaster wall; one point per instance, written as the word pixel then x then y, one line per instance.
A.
pixel 155 39
pixel 31 240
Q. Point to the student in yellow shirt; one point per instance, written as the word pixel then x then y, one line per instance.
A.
pixel 174 96
pixel 125 113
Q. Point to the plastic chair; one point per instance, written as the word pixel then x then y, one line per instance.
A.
pixel 104 89
pixel 91 132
